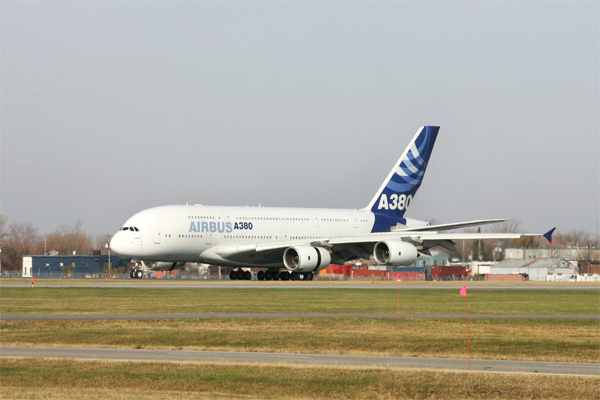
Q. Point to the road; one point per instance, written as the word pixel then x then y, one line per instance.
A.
pixel 532 367
pixel 367 285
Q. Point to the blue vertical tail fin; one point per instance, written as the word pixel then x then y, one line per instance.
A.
pixel 396 195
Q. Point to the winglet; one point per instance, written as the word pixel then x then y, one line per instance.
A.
pixel 548 235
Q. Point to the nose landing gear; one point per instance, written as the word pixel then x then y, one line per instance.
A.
pixel 136 274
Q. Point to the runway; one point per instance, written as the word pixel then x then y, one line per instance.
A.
pixel 366 285
pixel 73 317
pixel 503 366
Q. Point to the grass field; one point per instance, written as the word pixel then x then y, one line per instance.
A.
pixel 519 339
pixel 74 379
pixel 575 340
pixel 180 300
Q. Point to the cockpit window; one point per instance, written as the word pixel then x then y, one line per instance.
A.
pixel 136 229
pixel 125 228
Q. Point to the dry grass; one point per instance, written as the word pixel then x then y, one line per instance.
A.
pixel 182 300
pixel 81 379
pixel 519 339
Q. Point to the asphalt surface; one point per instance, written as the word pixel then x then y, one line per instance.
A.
pixel 72 317
pixel 532 367
pixel 185 284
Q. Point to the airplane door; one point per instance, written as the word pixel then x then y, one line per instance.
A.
pixel 315 219
pixel 156 236
pixel 208 238
pixel 226 216
pixel 354 221
pixel 283 236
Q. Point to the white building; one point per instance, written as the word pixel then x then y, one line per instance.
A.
pixel 572 254
pixel 536 269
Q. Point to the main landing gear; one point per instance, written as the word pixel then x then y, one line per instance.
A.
pixel 136 274
pixel 240 275
pixel 270 275
pixel 275 275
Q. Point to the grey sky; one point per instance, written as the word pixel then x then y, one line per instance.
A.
pixel 110 108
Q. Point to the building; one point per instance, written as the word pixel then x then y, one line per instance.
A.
pixel 531 269
pixel 74 266
pixel 439 258
pixel 569 254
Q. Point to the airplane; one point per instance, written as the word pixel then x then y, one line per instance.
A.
pixel 295 243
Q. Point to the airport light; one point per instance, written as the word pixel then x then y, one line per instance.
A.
pixel 108 247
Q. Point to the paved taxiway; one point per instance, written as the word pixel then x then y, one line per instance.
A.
pixel 72 317
pixel 533 367
pixel 185 284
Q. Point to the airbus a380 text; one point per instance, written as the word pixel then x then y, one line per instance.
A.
pixel 294 243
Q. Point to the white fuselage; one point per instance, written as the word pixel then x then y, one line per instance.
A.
pixel 194 233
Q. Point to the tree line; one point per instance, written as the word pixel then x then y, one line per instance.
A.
pixel 19 239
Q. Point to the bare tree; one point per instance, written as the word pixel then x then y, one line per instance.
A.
pixel 509 226
pixel 576 243
pixel 19 240
pixel 466 245
pixel 3 235
pixel 433 221
pixel 99 241
pixel 68 239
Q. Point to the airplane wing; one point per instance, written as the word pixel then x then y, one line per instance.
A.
pixel 445 227
pixel 359 246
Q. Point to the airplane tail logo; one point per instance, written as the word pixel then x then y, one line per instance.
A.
pixel 395 196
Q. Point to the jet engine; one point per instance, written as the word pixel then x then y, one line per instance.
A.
pixel 162 266
pixel 306 258
pixel 395 252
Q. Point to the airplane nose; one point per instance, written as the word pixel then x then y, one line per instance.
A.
pixel 118 244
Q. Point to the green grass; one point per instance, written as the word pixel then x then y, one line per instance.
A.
pixel 80 379
pixel 180 300
pixel 518 339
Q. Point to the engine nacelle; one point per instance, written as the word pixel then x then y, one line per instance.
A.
pixel 162 265
pixel 306 258
pixel 395 252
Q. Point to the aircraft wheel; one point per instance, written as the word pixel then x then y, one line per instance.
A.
pixel 240 275
pixel 285 276
pixel 131 273
pixel 260 275
pixel 268 275
pixel 139 274
pixel 308 276
pixel 294 276
pixel 233 275
pixel 248 275
pixel 276 275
